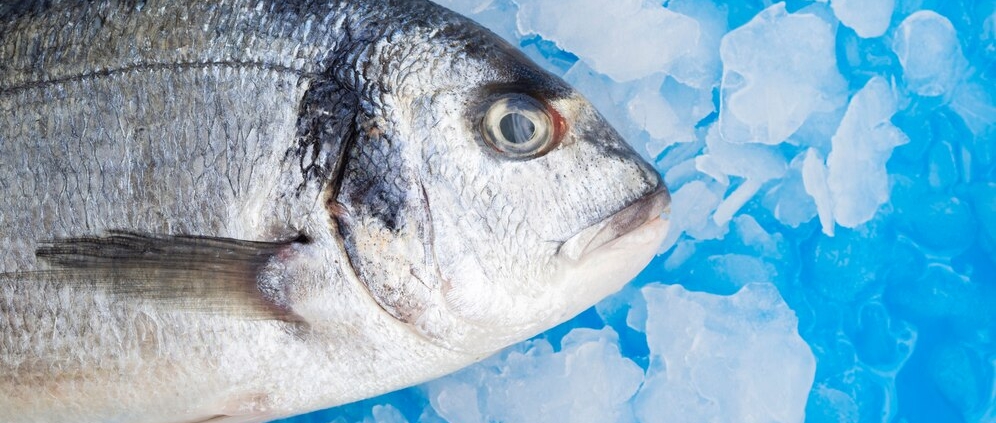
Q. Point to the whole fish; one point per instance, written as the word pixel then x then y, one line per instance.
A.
pixel 241 210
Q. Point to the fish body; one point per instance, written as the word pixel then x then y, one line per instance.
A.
pixel 243 210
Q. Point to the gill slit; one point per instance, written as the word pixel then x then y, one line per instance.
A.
pixel 339 173
pixel 432 260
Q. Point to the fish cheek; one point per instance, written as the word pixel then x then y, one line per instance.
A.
pixel 383 221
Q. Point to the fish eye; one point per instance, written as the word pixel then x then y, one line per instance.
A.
pixel 518 126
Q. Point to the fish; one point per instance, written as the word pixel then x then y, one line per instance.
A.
pixel 242 210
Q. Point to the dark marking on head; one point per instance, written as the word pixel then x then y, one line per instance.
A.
pixel 538 88
pixel 372 184
pixel 325 130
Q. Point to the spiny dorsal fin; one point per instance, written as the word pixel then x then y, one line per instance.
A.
pixel 191 273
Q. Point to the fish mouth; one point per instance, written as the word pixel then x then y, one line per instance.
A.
pixel 642 213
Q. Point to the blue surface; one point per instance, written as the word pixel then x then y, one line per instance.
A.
pixel 900 312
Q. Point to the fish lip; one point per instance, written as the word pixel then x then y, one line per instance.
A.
pixel 631 218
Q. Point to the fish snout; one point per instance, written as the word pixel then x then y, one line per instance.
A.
pixel 643 211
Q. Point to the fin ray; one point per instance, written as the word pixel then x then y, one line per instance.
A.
pixel 191 273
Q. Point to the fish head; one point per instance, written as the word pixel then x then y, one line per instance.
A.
pixel 486 200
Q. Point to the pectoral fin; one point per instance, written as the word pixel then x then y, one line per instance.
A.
pixel 190 273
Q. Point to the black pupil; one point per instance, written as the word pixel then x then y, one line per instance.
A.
pixel 516 128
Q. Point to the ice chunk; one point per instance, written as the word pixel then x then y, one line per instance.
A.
pixel 868 18
pixel 682 252
pixel 818 128
pixel 628 54
pixel 754 236
pixel 386 414
pixel 814 178
pixel 587 381
pixel 636 317
pixel 691 206
pixel 669 111
pixel 856 174
pixel 928 49
pixel 615 308
pixel 657 116
pixel 682 173
pixel 723 359
pixel 976 104
pixel 734 201
pixel 455 397
pixel 701 67
pixel 777 70
pixel 787 200
pixel 757 164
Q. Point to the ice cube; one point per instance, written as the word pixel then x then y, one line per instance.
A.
pixel 691 207
pixel 975 102
pixel 753 235
pixel 856 174
pixel 759 163
pixel 701 67
pixel 723 359
pixel 814 178
pixel 657 116
pixel 777 70
pixel 386 414
pixel 582 27
pixel 928 49
pixel 868 18
pixel 588 380
pixel 788 200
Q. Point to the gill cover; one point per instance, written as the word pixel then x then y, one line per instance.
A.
pixel 383 218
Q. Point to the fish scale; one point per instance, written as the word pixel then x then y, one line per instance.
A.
pixel 156 143
pixel 152 33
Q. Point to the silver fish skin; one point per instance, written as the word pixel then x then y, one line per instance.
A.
pixel 242 210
